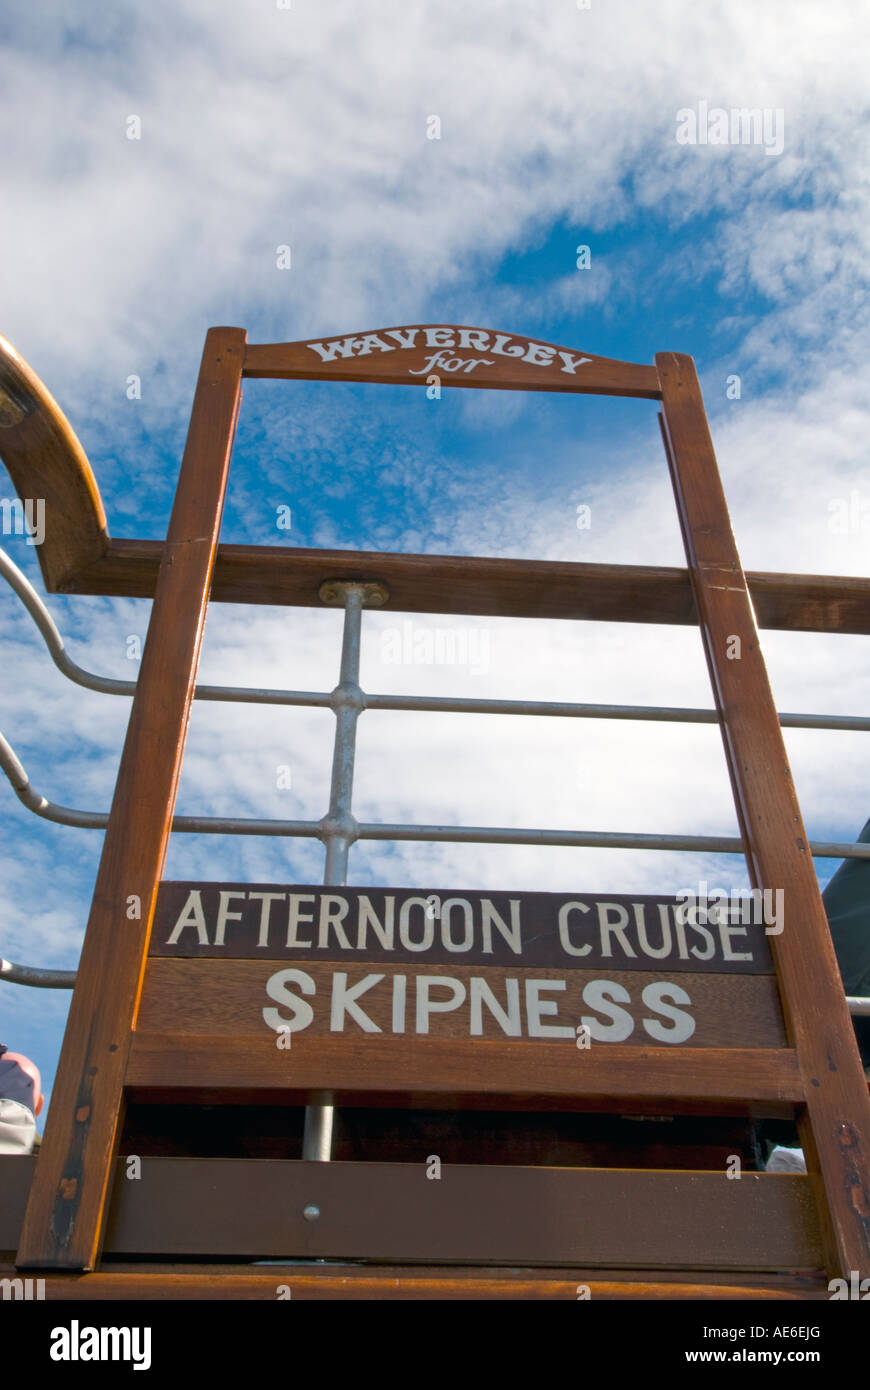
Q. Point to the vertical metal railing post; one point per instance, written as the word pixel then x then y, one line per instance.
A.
pixel 339 829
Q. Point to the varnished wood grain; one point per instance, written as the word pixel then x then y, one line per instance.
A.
pixel 63 1223
pixel 486 1214
pixel 609 1076
pixel 837 1133
pixel 47 463
pixel 486 585
pixel 472 1213
pixel 227 998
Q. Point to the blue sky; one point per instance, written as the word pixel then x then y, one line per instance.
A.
pixel 307 126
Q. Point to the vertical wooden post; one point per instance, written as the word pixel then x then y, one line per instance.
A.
pixel 65 1214
pixel 835 1130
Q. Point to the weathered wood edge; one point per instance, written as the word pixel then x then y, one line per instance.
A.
pixel 419 1283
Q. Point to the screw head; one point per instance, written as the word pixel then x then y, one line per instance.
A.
pixel 311 1212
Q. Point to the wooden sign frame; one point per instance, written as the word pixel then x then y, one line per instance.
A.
pixel 104 1056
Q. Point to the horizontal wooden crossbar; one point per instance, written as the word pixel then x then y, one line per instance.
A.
pixel 540 1075
pixel 487 586
pixel 484 1214
pixel 45 460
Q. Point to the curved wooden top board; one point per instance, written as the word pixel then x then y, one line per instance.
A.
pixel 458 356
pixel 47 463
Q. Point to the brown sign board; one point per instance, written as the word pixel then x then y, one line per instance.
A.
pixel 452 355
pixel 333 998
pixel 301 962
pixel 418 926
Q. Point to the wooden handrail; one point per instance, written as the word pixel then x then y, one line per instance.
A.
pixel 47 463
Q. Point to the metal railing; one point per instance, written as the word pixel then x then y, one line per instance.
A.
pixel 338 829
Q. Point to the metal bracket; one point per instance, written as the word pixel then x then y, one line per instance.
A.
pixel 332 592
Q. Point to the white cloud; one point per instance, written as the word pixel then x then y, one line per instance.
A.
pixel 308 125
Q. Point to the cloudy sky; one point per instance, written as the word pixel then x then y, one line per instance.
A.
pixel 307 125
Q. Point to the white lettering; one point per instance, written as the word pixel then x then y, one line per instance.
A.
pixel 400 983
pixel 499 346
pixel 192 915
pixel 427 1005
pixel 344 1002
pixel 404 336
pixel 603 996
pixel 449 364
pixel 708 937
pixel 224 915
pixel 343 347
pixel 490 918
pixel 467 940
pixel 276 988
pixel 266 900
pixel 371 342
pixel 657 952
pixel 536 1008
pixel 405 926
pixel 474 338
pixel 509 1020
pixel 539 354
pixel 75 1343
pixel 295 918
pixel 725 935
pixel 333 911
pixel 571 362
pixel 617 928
pixel 384 931
pixel 654 996
pixel 441 336
pixel 564 935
